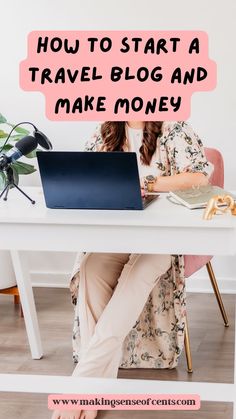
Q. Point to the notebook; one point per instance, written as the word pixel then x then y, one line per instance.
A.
pixel 198 197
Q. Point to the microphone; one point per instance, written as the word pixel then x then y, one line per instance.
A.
pixel 42 139
pixel 23 147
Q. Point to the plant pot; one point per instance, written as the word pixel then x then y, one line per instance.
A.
pixel 7 275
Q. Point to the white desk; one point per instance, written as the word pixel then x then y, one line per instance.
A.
pixel 161 228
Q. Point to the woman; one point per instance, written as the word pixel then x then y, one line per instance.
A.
pixel 130 311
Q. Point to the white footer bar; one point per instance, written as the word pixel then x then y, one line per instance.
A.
pixel 218 392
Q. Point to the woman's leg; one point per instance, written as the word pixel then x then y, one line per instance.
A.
pixel 140 274
pixel 99 274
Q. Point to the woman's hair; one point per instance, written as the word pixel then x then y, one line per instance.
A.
pixel 114 138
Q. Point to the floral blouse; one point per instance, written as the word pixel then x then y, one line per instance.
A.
pixel 179 149
pixel 157 338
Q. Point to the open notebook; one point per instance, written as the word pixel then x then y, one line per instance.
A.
pixel 198 197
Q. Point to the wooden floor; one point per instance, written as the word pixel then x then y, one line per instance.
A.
pixel 212 349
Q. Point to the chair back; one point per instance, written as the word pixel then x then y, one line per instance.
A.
pixel 215 157
pixel 193 263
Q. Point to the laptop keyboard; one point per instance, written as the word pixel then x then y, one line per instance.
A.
pixel 147 200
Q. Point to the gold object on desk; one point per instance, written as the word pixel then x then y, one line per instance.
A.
pixel 231 204
pixel 233 211
pixel 221 203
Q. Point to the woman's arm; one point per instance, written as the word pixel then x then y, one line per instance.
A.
pixel 187 161
pixel 179 181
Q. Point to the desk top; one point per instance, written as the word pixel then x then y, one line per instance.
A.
pixel 161 213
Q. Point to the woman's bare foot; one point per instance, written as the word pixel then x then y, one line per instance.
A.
pixel 67 414
pixel 88 414
pixel 74 414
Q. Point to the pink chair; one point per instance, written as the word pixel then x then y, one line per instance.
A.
pixel 194 263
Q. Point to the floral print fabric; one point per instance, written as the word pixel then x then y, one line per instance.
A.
pixel 157 338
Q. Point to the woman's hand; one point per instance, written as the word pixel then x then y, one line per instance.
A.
pixel 183 180
pixel 143 189
pixel 143 192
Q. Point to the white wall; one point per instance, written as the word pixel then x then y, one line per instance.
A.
pixel 213 113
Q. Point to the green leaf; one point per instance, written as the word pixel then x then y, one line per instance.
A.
pixel 15 174
pixel 31 155
pixel 2 119
pixel 7 147
pixel 20 130
pixel 23 168
pixel 2 181
pixel 3 134
pixel 2 141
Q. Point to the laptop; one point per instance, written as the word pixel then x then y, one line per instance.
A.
pixel 88 180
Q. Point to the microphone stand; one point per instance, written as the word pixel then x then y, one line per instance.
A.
pixel 42 140
pixel 11 184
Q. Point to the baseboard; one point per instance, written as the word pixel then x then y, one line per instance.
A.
pixel 202 284
pixel 50 279
pixel 227 285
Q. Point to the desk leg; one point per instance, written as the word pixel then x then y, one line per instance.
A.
pixel 234 417
pixel 20 265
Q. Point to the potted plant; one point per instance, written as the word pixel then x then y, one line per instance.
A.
pixel 7 276
pixel 19 168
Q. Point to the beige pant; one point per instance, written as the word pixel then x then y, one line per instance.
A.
pixel 113 290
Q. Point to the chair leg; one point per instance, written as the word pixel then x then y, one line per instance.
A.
pixel 217 293
pixel 21 311
pixel 187 348
pixel 16 299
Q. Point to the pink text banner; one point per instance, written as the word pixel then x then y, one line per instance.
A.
pixel 118 75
